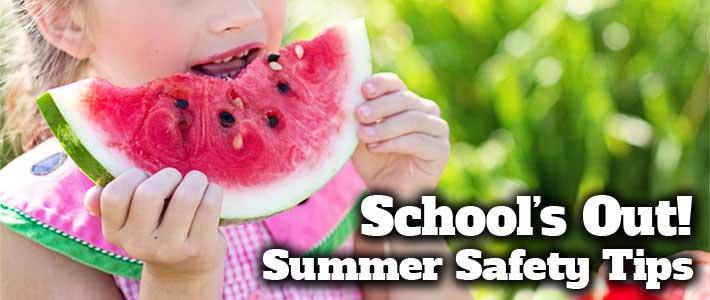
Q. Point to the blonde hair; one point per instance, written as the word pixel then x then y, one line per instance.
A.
pixel 32 66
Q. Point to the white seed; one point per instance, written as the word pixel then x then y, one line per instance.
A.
pixel 238 102
pixel 299 51
pixel 275 66
pixel 238 142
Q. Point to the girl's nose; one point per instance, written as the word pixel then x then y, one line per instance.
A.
pixel 235 15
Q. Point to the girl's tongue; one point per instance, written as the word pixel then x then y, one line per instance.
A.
pixel 230 68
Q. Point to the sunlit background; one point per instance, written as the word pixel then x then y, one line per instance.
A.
pixel 563 99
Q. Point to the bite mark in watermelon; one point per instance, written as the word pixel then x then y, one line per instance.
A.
pixel 270 137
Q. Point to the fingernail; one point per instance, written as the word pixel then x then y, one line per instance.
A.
pixel 369 131
pixel 365 111
pixel 369 88
pixel 374 145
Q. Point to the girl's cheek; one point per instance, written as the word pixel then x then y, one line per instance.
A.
pixel 137 41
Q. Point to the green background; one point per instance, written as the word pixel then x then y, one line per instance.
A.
pixel 563 99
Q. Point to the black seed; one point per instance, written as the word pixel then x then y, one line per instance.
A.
pixel 304 201
pixel 272 121
pixel 283 88
pixel 226 119
pixel 182 104
pixel 273 57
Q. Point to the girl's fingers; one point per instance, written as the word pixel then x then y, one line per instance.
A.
pixel 206 219
pixel 420 145
pixel 116 199
pixel 92 201
pixel 181 211
pixel 699 257
pixel 393 104
pixel 404 123
pixel 382 84
pixel 149 199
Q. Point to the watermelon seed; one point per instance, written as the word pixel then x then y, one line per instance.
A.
pixel 238 102
pixel 299 51
pixel 273 57
pixel 272 121
pixel 238 142
pixel 283 88
pixel 226 119
pixel 182 104
pixel 182 125
pixel 275 66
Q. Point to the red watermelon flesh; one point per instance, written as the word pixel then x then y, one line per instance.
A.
pixel 270 137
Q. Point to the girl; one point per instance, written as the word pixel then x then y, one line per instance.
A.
pixel 185 255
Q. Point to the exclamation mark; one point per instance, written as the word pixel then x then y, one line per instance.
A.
pixel 684 205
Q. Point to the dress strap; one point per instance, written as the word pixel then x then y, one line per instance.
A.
pixel 41 198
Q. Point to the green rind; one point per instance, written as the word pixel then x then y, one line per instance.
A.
pixel 71 143
pixel 340 233
pixel 67 245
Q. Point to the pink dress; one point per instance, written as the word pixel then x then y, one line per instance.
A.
pixel 41 198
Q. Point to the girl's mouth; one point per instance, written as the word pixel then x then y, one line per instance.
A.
pixel 229 64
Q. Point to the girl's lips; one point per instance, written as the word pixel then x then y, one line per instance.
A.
pixel 228 64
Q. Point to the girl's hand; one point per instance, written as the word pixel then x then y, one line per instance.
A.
pixel 404 143
pixel 175 238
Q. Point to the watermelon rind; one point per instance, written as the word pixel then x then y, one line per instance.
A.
pixel 84 142
pixel 71 143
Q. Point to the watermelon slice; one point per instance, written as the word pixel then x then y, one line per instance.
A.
pixel 270 137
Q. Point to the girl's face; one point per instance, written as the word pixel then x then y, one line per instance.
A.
pixel 134 41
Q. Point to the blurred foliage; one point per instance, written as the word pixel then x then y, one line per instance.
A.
pixel 563 99
pixel 5 152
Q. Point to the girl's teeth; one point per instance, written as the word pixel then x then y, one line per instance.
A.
pixel 231 58
pixel 228 75
pixel 224 60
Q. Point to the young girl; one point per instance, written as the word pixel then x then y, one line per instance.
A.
pixel 185 255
